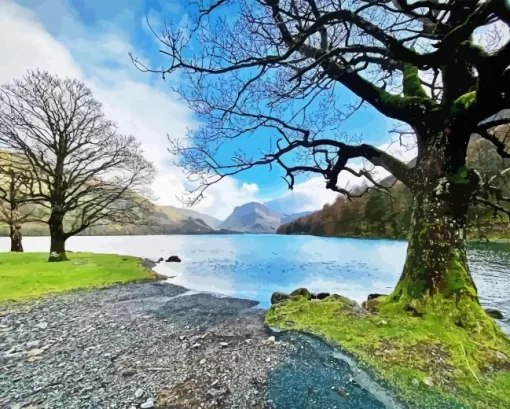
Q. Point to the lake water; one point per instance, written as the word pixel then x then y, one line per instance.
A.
pixel 254 266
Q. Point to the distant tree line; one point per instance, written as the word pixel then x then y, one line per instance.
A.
pixel 63 163
pixel 388 214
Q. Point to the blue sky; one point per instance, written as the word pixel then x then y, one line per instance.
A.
pixel 90 40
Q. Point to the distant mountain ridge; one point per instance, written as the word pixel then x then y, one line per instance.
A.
pixel 255 217
pixel 209 220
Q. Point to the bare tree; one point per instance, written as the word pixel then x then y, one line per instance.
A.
pixel 17 206
pixel 288 73
pixel 86 172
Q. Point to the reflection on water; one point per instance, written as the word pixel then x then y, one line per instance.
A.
pixel 253 266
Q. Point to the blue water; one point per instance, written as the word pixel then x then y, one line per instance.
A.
pixel 254 266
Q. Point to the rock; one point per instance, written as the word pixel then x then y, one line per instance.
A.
pixel 428 381
pixel 173 259
pixel 372 305
pixel 196 345
pixel 128 372
pixel 42 325
pixel 35 352
pixel 345 300
pixel 314 296
pixel 203 361
pixel 268 359
pixel 501 355
pixel 138 393
pixel 147 405
pixel 271 340
pixel 302 292
pixel 278 297
pixel 415 382
pixel 224 344
pixel 32 344
pixel 321 296
pixel 373 296
pixel 496 314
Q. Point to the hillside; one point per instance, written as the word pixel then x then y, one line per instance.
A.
pixel 164 220
pixel 376 214
pixel 256 218
pixel 209 220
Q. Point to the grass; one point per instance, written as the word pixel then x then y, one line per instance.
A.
pixel 28 275
pixel 455 367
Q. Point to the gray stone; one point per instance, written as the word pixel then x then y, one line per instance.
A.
pixel 321 296
pixel 302 292
pixel 147 405
pixel 139 393
pixel 42 325
pixel 493 313
pixel 278 297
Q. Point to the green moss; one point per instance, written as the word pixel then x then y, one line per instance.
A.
pixel 461 177
pixel 411 82
pixel 464 102
pixel 458 280
pixel 465 367
pixel 26 275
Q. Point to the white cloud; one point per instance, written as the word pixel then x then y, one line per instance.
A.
pixel 149 112
pixel 140 105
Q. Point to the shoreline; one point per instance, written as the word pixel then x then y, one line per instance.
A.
pixel 137 344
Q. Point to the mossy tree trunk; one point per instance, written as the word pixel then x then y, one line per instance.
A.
pixel 58 237
pixel 436 262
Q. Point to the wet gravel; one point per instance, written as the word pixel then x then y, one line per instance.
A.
pixel 136 346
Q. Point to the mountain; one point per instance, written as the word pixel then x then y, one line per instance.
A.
pixel 164 220
pixel 209 220
pixel 256 218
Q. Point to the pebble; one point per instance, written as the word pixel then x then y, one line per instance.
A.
pixel 147 405
pixel 271 340
pixel 35 352
pixel 138 393
pixel 428 381
pixel 128 372
pixel 415 382
pixel 32 344
pixel 42 325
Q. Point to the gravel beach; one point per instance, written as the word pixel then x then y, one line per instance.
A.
pixel 157 345
pixel 138 345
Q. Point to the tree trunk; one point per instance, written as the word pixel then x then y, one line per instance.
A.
pixel 58 238
pixel 16 239
pixel 436 265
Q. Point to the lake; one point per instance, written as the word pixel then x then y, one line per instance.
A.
pixel 254 266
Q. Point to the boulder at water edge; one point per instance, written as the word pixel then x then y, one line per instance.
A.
pixel 303 292
pixel 173 259
pixel 278 297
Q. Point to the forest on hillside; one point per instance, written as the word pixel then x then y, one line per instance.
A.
pixel 388 214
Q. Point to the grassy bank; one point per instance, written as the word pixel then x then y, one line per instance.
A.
pixel 428 361
pixel 26 275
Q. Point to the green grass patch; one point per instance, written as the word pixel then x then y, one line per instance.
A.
pixel 455 367
pixel 27 275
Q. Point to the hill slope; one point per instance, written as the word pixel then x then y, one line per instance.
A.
pixel 255 217
pixel 209 220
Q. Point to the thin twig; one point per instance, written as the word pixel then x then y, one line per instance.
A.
pixel 467 362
